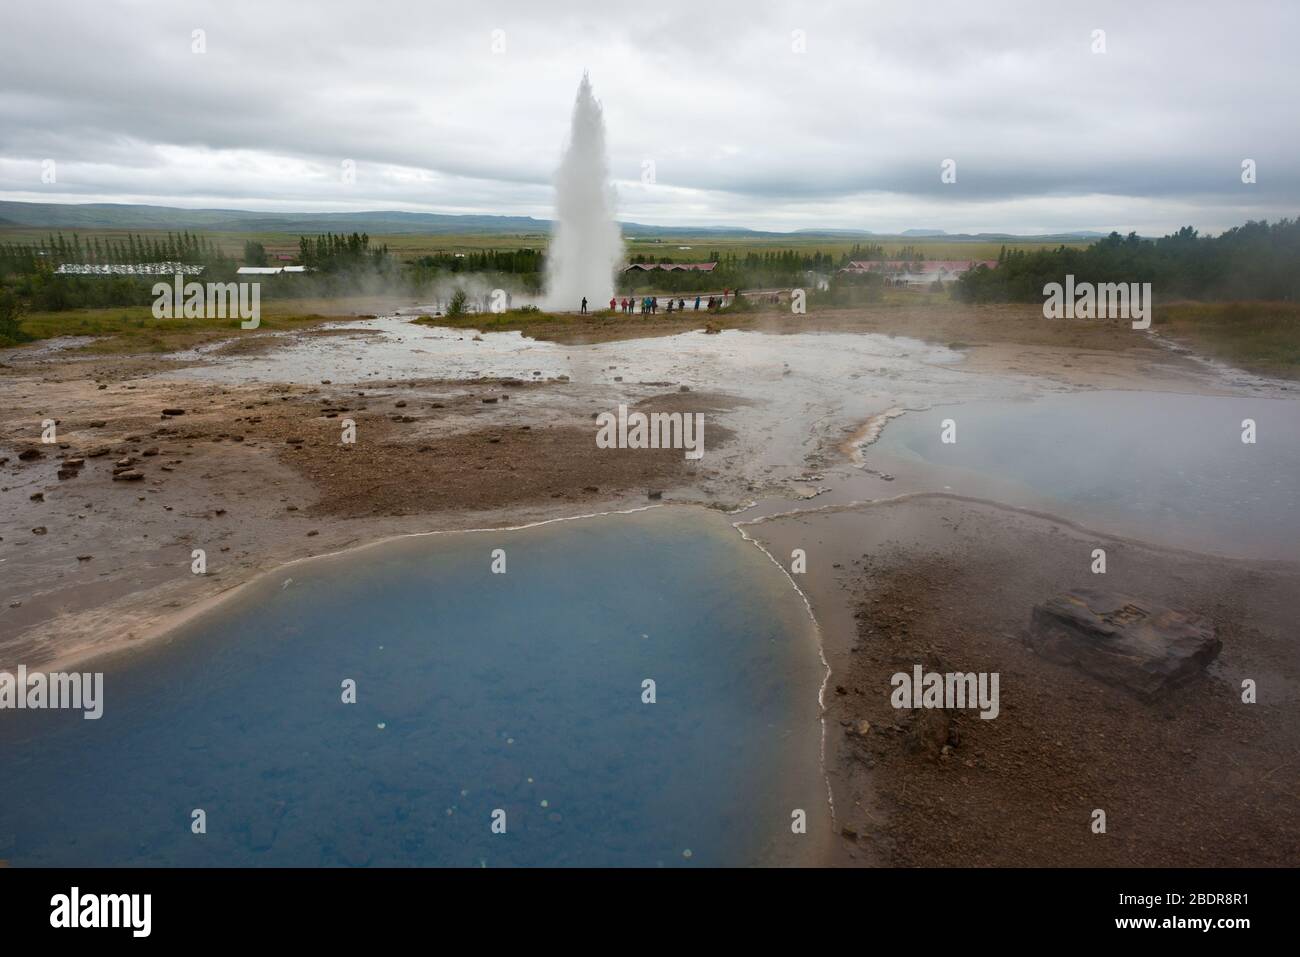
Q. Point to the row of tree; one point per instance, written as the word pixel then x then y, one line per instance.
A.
pixel 516 262
pixel 1256 261
pixel 57 250
pixel 331 253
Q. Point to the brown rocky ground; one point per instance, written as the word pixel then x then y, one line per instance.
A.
pixel 1197 778
pixel 257 475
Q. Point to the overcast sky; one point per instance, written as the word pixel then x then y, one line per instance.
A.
pixel 741 128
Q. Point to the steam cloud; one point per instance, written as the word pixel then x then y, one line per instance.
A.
pixel 586 245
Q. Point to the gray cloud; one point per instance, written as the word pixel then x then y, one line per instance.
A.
pixel 742 130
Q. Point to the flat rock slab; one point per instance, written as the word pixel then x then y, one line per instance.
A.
pixel 1123 640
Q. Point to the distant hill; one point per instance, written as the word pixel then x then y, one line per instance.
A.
pixel 393 222
pixel 122 216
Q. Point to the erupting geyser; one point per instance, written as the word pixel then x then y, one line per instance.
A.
pixel 586 245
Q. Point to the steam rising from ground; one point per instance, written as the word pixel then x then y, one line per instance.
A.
pixel 586 245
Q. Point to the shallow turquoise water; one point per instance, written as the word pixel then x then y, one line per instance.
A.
pixel 520 691
pixel 1162 465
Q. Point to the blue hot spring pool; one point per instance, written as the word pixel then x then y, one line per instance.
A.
pixel 476 692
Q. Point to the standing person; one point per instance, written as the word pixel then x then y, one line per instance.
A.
pixel 670 307
pixel 612 302
pixel 697 303
pixel 584 305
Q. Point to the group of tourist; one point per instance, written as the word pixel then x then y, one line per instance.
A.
pixel 649 305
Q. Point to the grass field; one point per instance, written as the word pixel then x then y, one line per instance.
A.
pixel 1262 337
pixel 134 329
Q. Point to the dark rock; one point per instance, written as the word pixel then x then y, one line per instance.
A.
pixel 173 411
pixel 98 424
pixel 1123 641
pixel 28 455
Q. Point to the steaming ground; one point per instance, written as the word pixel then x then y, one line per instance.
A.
pixel 458 430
